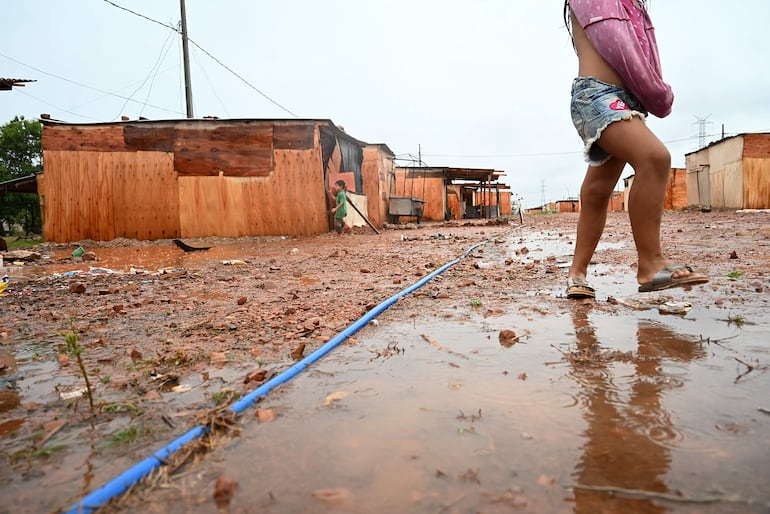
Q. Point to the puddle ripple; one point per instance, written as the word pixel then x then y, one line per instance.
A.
pixel 471 426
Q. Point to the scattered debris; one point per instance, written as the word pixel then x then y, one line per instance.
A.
pixel 224 490
pixel 672 307
pixel 507 338
pixel 187 248
pixel 335 397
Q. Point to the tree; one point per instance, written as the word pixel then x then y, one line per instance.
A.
pixel 21 155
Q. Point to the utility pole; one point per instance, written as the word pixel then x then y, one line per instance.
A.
pixel 186 58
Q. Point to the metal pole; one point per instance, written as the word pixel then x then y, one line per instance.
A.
pixel 186 58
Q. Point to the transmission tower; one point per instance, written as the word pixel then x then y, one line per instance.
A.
pixel 702 130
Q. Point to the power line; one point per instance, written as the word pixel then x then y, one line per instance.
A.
pixel 152 73
pixel 83 85
pixel 702 129
pixel 223 65
pixel 553 154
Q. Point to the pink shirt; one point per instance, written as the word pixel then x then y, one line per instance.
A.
pixel 623 35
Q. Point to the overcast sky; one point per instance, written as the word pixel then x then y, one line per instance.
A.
pixel 480 84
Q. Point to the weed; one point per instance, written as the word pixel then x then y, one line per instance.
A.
pixel 74 349
pixel 119 407
pixel 735 275
pixel 467 431
pixel 105 379
pixel 47 451
pixel 127 435
pixel 225 396
pixel 737 320
pixel 32 453
pixel 475 303
pixel 36 435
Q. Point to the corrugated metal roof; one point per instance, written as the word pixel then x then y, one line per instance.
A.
pixel 26 184
pixel 453 173
pixel 7 84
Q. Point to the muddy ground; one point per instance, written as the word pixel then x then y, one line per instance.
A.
pixel 166 336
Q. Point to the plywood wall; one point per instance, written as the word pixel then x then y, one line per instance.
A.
pixel 505 203
pixel 424 186
pixel 502 198
pixel 756 180
pixel 190 178
pixel 103 195
pixel 377 172
pixel 616 203
pixel 454 202
pixel 291 201
pixel 676 192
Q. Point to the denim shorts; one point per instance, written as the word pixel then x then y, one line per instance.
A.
pixel 595 105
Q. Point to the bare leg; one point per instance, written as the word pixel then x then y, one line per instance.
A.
pixel 595 193
pixel 631 141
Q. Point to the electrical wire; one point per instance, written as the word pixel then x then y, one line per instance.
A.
pixel 223 65
pixel 164 49
pixel 80 84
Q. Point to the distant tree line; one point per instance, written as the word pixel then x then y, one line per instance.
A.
pixel 21 155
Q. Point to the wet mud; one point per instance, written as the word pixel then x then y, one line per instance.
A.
pixel 483 391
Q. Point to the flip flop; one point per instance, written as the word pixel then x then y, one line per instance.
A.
pixel 664 279
pixel 578 288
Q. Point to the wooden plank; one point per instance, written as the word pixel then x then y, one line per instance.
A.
pixel 224 139
pixel 372 168
pixel 293 136
pixel 149 137
pixel 84 197
pixel 234 163
pixel 104 205
pixel 70 178
pixel 146 203
pixel 240 150
pixel 756 183
pixel 84 138
pixel 49 193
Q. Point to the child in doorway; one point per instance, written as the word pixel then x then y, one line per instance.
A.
pixel 340 209
pixel 619 81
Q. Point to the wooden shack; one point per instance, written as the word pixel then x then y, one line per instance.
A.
pixel 194 178
pixel 568 205
pixel 454 193
pixel 676 191
pixel 379 177
pixel 732 173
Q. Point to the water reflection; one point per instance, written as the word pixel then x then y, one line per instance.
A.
pixel 629 432
pixel 9 395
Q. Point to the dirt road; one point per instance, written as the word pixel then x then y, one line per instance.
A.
pixel 166 336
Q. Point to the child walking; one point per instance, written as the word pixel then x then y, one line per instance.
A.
pixel 619 82
pixel 340 209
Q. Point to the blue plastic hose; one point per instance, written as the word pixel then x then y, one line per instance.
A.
pixel 125 480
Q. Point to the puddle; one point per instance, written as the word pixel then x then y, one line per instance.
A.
pixel 122 259
pixel 589 412
pixel 603 408
pixel 545 245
